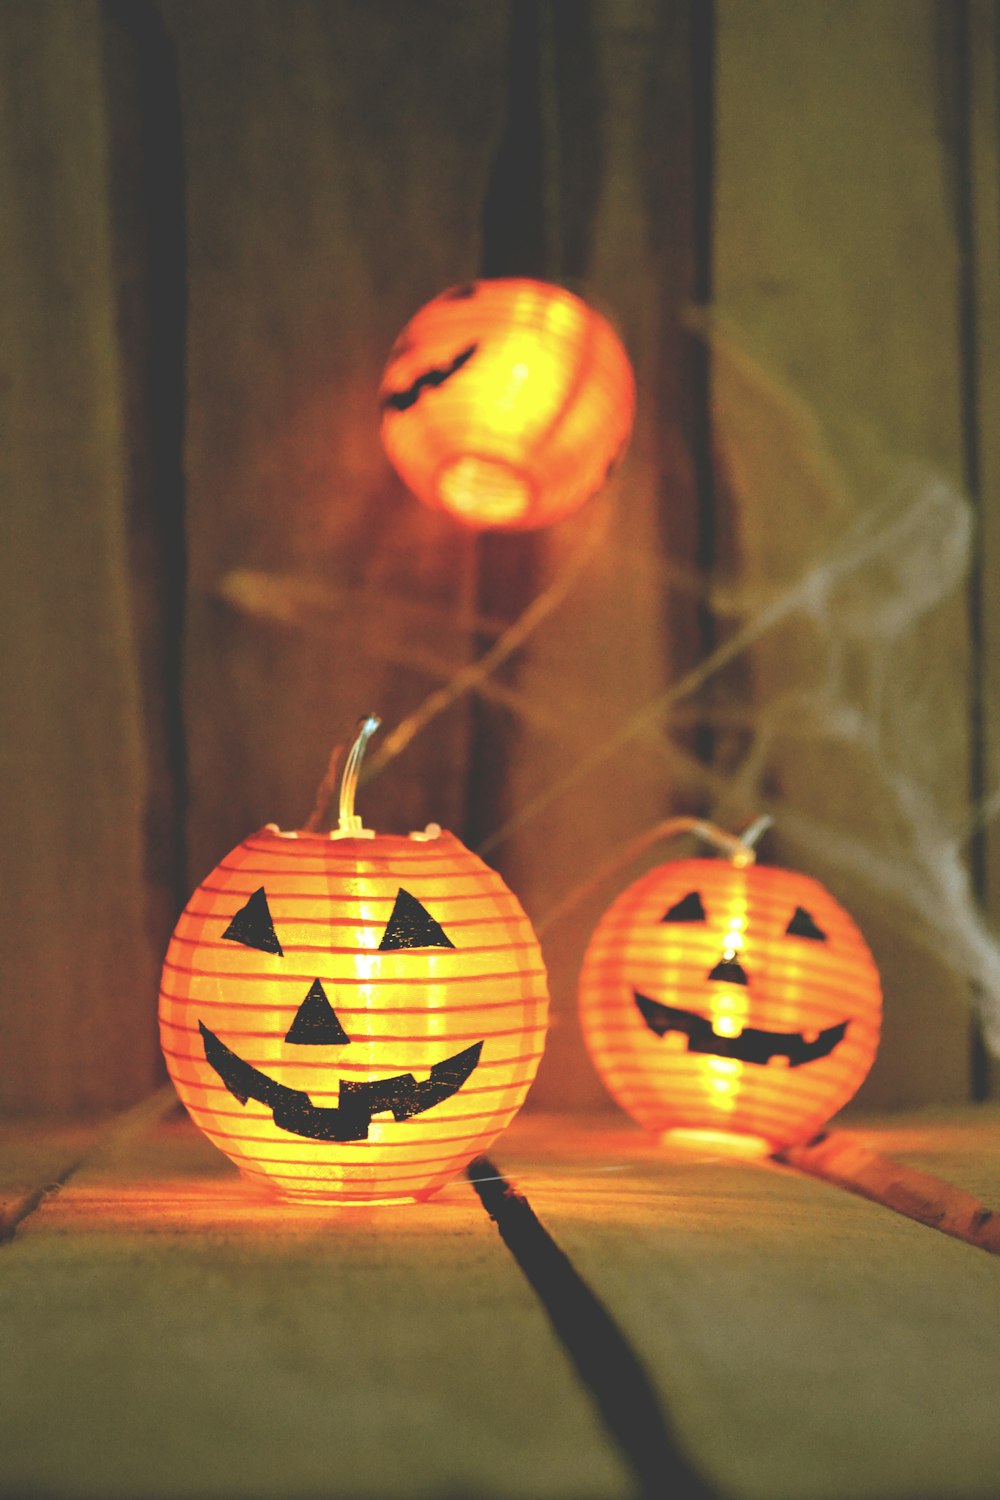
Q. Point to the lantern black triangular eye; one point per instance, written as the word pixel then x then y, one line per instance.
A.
pixel 315 1023
pixel 688 910
pixel 252 926
pixel 802 925
pixel 412 926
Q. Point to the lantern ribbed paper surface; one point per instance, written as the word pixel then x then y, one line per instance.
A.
pixel 379 1004
pixel 506 403
pixel 719 998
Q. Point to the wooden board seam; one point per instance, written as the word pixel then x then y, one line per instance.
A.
pixel 605 1362
pixel 838 1159
pixel 118 1131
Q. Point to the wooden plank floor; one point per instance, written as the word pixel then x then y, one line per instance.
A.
pixel 806 1342
pixel 168 1332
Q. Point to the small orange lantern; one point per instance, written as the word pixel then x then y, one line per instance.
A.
pixel 725 997
pixel 506 403
pixel 351 1017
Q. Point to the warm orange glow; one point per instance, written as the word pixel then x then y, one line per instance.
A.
pixel 753 1009
pixel 471 973
pixel 718 1142
pixel 506 403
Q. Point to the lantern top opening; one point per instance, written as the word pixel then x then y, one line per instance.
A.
pixel 338 835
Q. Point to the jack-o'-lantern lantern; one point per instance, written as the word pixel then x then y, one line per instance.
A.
pixel 351 1017
pixel 506 403
pixel 723 997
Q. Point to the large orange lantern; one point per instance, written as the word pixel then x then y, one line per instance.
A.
pixel 351 1017
pixel 722 996
pixel 506 403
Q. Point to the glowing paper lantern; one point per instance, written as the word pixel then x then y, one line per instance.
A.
pixel 506 403
pixel 725 997
pixel 351 1017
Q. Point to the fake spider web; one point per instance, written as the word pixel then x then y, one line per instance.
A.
pixel 880 598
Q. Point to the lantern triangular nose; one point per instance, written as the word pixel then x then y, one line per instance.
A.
pixel 315 1023
pixel 729 971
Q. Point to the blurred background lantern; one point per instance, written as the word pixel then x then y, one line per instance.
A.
pixel 506 403
pixel 721 996
pixel 350 1016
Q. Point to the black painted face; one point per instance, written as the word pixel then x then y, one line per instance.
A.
pixel 316 1024
pixel 434 376
pixel 427 380
pixel 752 1045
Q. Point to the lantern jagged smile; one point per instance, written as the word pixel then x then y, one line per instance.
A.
pixel 752 1045
pixel 349 1120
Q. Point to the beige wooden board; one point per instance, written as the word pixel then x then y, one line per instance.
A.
pixel 36 1159
pixel 806 1342
pixel 31 1160
pixel 76 1012
pixel 169 1333
pixel 838 417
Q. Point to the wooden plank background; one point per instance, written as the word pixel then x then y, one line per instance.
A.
pixel 80 950
pixel 213 221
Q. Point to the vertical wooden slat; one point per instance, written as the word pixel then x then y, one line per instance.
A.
pixel 984 193
pixel 837 389
pixel 337 157
pixel 515 243
pixel 955 110
pixel 78 1023
pixel 145 209
pixel 619 133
